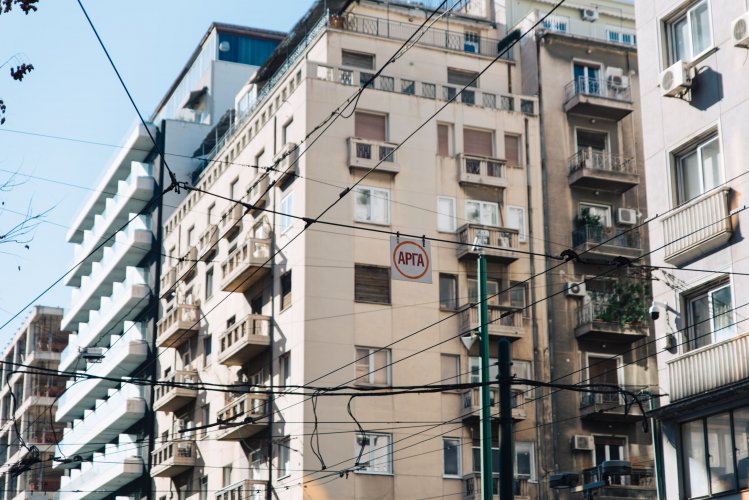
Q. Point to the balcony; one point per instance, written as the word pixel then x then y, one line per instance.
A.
pixel 125 354
pixel 510 326
pixel 601 170
pixel 230 222
pixel 173 458
pixel 597 98
pixel 482 171
pixel 600 244
pixel 599 321
pixel 500 244
pixel 245 340
pixel 241 415
pixel 709 368
pixel 208 243
pixel 611 407
pixel 640 483
pixel 247 489
pixel 697 227
pixel 246 265
pixel 169 396
pixel 365 154
pixel 182 270
pixel 178 325
pixel 257 193
pixel 287 163
pixel 472 486
pixel 471 407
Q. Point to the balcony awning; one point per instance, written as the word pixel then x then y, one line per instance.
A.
pixel 195 98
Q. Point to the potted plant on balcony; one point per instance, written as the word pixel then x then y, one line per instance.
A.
pixel 626 305
pixel 589 227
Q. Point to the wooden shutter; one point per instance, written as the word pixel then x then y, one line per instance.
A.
pixel 477 142
pixel 512 150
pixel 357 59
pixel 371 284
pixel 462 78
pixel 369 126
pixel 443 136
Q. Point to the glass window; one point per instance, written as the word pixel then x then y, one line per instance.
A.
pixel 518 291
pixel 285 290
pixel 690 34
pixel 709 316
pixel 482 212
pixel 287 206
pixel 694 459
pixel 587 79
pixel 451 457
pixel 285 131
pixel 208 283
pixel 492 291
pixel 372 366
pixel 284 457
pixel 525 460
pixel 446 214
pixel 375 452
pixel 448 291
pixel 741 439
pixel 603 212
pixel 284 362
pixel 474 366
pixel 698 170
pixel 372 205
pixel 516 220
pixel 720 451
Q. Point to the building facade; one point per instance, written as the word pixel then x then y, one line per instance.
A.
pixel 280 307
pixel 106 446
pixel 29 394
pixel 693 84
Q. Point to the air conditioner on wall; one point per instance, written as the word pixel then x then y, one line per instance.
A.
pixel 618 81
pixel 582 443
pixel 676 79
pixel 626 216
pixel 575 289
pixel 590 15
pixel 740 31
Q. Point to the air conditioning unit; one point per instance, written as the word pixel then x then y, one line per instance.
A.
pixel 583 443
pixel 618 81
pixel 626 216
pixel 575 289
pixel 740 31
pixel 590 15
pixel 676 79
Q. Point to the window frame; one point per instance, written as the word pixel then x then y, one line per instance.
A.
pixel 458 449
pixel 286 221
pixel 285 300
pixel 448 127
pixel 365 453
pixel 707 291
pixel 372 367
pixel 371 191
pixel 454 278
pixel 357 297
pixel 685 13
pixel 605 222
pixel 678 157
pixel 284 369
pixel 531 449
pixel 482 205
pixel 452 219
pixel 283 451
pixel 358 53
pixel 523 230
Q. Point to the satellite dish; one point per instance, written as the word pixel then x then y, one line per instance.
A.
pixel 468 339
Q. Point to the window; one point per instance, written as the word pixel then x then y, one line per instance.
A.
pixel 512 150
pixel 357 59
pixel 285 290
pixel 587 79
pixel 474 366
pixel 451 457
pixel 444 139
pixel 233 185
pixel 284 368
pixel 482 212
pixel 522 370
pixel 689 34
pixel 207 349
pixel 709 316
pixel 492 291
pixel 226 475
pixel 525 460
pixel 518 295
pixel 370 126
pixel 208 283
pixel 478 142
pixel 211 214
pixel 376 452
pixel 285 131
pixel 372 205
pixel 191 236
pixel 591 211
pixel 697 170
pixel 284 457
pixel 372 366
pixel 609 448
pixel 450 368
pixel 204 488
pixel 621 35
pixel 462 77
pixel 287 206
pixel 471 42
pixel 448 291
pixel 371 284
pixel 516 220
pixel 446 221
pixel 206 415
pixel 556 23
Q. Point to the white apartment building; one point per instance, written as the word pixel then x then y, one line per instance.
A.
pixel 242 304
pixel 693 81
pixel 106 446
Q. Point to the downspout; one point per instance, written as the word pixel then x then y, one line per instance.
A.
pixel 272 329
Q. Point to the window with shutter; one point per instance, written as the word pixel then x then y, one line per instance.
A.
pixel 370 126
pixel 477 142
pixel 285 290
pixel 462 77
pixel 512 150
pixel 443 139
pixel 357 59
pixel 371 284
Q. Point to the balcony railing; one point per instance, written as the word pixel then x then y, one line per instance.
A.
pixel 288 164
pixel 177 325
pixel 598 97
pixel 709 368
pixel 183 269
pixel 245 340
pixel 604 161
pixel 697 227
pixel 503 321
pixel 472 486
pixel 597 242
pixel 642 478
pixel 246 265
pixel 169 396
pixel 240 416
pixel 173 458
pixel 598 320
pixel 613 406
pixel 208 242
pixel 497 242
pixel 597 87
pixel 365 154
pixel 482 170
pixel 247 489
pixel 471 407
pixel 230 222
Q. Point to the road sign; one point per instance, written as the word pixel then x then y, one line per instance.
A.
pixel 410 260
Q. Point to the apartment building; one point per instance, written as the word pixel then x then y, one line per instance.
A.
pixel 582 63
pixel 282 307
pixel 693 84
pixel 27 402
pixel 105 448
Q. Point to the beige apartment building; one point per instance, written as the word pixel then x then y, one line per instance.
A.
pixel 694 85
pixel 27 407
pixel 251 299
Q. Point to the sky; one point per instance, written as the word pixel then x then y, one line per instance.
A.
pixel 74 93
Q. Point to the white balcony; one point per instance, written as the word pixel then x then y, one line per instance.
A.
pixel 125 302
pixel 510 326
pixel 182 269
pixel 257 192
pixel 697 227
pixel 245 340
pixel 109 419
pixel 246 265
pixel 169 396
pixel 482 171
pixel 109 471
pixel 126 353
pixel 288 164
pixel 709 368
pixel 177 325
pixel 230 222
pixel 499 243
pixel 241 415
pixel 136 148
pixel 365 154
pixel 208 242
pixel 247 489
pixel 173 458
pixel 128 249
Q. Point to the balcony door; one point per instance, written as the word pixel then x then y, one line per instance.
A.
pixel 603 370
pixel 587 79
pixel 592 148
pixel 609 448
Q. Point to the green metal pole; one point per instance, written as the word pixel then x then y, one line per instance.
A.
pixel 487 474
pixel 507 443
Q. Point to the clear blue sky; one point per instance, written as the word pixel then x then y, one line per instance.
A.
pixel 73 92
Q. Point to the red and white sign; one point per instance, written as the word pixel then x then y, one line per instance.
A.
pixel 410 260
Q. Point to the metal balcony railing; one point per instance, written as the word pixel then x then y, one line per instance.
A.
pixel 597 87
pixel 622 237
pixel 602 161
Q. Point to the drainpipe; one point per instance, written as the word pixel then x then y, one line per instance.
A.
pixel 271 331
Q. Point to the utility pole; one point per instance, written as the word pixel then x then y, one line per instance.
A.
pixel 487 475
pixel 507 443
